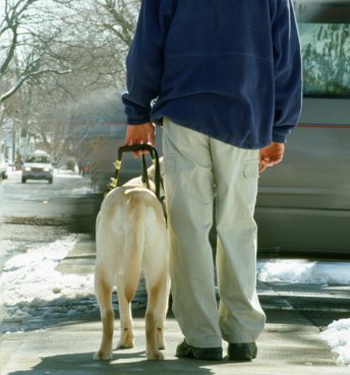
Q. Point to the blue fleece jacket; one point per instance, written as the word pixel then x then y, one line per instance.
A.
pixel 230 69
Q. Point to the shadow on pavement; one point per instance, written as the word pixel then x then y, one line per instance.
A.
pixel 134 363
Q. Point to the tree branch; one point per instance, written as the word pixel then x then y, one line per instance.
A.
pixel 20 82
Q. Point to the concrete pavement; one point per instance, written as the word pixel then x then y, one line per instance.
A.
pixel 290 344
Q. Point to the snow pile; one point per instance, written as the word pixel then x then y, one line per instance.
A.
pixel 7 246
pixel 31 283
pixel 82 190
pixel 304 272
pixel 337 335
pixel 33 275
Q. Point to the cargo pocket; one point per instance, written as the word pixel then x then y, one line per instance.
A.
pixel 251 169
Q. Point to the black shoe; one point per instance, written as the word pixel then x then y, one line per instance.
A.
pixel 242 352
pixel 184 350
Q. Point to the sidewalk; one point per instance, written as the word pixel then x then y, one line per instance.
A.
pixel 289 345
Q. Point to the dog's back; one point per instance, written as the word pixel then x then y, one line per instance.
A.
pixel 133 231
pixel 131 238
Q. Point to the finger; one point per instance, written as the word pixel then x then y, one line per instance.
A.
pixel 262 166
pixel 150 138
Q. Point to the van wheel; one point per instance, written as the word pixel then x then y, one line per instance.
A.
pixel 24 180
pixel 50 180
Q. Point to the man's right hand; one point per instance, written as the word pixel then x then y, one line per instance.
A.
pixel 271 155
pixel 140 134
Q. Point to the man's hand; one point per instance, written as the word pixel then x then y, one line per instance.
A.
pixel 271 155
pixel 140 134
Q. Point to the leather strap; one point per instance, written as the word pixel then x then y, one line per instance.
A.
pixel 155 160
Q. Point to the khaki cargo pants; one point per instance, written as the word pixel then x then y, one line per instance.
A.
pixel 198 168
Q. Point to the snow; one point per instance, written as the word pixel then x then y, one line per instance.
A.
pixel 31 283
pixel 337 335
pixel 33 291
pixel 37 268
pixel 304 272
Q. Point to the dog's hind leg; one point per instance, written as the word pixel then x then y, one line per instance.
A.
pixel 158 284
pixel 158 294
pixel 128 279
pixel 103 289
pixel 162 308
pixel 126 325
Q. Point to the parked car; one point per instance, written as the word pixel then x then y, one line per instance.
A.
pixel 3 167
pixel 37 167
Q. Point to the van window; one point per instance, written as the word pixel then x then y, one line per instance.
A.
pixel 326 51
pixel 324 28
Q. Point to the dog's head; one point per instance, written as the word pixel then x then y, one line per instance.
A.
pixel 151 171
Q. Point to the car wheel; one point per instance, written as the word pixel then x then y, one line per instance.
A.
pixel 24 180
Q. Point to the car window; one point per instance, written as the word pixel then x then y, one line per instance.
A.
pixel 38 159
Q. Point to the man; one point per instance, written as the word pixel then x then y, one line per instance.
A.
pixel 226 76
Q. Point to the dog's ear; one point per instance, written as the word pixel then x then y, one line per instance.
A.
pixel 151 171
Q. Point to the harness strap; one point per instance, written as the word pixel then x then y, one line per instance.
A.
pixel 145 180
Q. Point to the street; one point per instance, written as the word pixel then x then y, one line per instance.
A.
pixel 40 199
pixel 37 212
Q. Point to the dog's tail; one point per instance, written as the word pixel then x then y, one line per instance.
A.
pixel 134 243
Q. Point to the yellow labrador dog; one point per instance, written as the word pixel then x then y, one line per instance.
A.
pixel 130 239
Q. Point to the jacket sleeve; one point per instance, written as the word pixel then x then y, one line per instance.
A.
pixel 288 72
pixel 144 62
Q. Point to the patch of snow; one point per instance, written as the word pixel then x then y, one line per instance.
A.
pixel 82 190
pixel 304 272
pixel 337 335
pixel 30 282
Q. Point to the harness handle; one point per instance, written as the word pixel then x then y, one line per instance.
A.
pixel 155 160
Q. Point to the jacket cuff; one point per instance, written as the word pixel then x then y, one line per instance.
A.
pixel 138 121
pixel 278 138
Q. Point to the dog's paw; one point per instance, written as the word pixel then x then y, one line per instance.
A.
pixel 126 340
pixel 101 356
pixel 155 356
pixel 125 345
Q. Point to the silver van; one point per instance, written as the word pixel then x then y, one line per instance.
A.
pixel 37 167
pixel 304 203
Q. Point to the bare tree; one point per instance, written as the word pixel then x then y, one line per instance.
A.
pixel 19 46
pixel 62 50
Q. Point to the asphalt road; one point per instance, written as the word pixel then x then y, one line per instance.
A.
pixel 69 200
pixel 37 212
